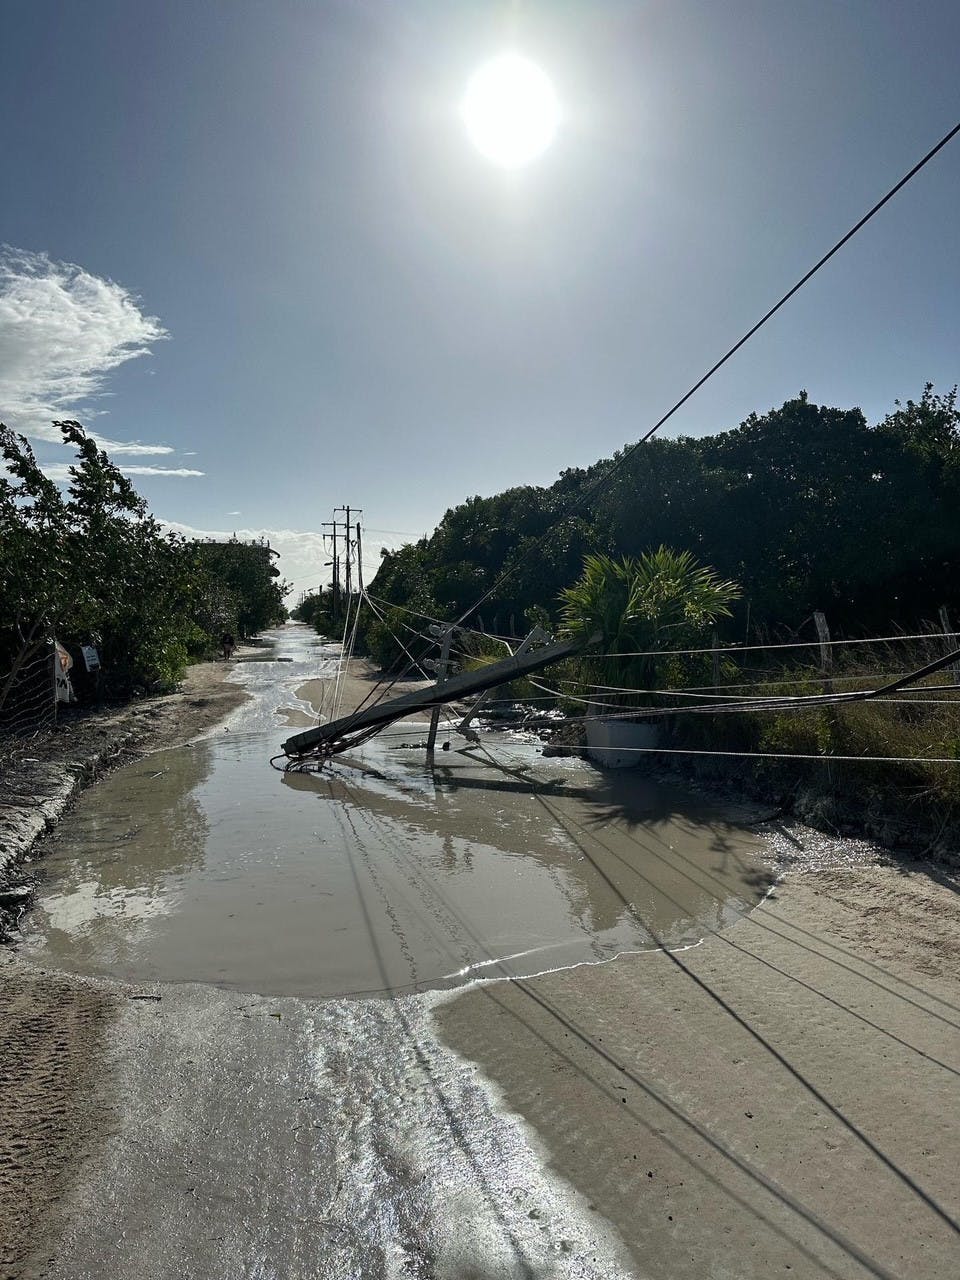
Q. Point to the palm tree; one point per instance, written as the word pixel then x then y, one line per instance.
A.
pixel 661 601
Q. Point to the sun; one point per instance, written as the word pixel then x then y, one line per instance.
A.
pixel 510 110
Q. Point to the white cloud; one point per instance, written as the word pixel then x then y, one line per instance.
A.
pixel 158 471
pixel 60 471
pixel 62 331
pixel 302 552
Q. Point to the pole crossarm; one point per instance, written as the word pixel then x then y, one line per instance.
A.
pixel 452 690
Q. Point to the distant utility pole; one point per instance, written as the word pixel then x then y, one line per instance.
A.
pixel 346 542
pixel 351 543
pixel 335 581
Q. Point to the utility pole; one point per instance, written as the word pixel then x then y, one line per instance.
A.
pixel 346 543
pixel 349 544
pixel 335 584
pixel 441 667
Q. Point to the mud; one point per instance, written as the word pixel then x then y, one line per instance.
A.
pixel 776 1100
pixel 53 1032
pixel 202 864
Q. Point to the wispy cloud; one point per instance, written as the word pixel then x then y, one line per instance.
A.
pixel 62 331
pixel 159 471
pixel 60 471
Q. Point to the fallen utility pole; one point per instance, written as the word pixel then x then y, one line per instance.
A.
pixel 452 690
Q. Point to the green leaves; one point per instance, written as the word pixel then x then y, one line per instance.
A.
pixel 661 599
pixel 94 561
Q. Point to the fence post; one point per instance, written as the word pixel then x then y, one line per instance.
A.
pixel 826 666
pixel 951 640
pixel 54 663
pixel 716 662
pixel 826 652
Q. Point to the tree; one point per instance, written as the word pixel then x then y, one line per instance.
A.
pixel 640 606
pixel 91 565
pixel 247 572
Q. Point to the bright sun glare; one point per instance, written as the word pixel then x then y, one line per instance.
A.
pixel 510 110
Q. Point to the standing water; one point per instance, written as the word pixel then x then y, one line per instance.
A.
pixel 383 873
pixel 295 1131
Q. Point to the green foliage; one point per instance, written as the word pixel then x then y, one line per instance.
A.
pixel 308 610
pixel 897 795
pixel 807 506
pixel 93 564
pixel 663 599
pixel 245 575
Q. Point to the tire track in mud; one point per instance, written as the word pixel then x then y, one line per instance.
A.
pixel 51 1033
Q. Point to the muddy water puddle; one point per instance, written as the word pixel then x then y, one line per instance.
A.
pixel 203 863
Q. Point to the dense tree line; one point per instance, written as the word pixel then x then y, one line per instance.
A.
pixel 92 565
pixel 807 507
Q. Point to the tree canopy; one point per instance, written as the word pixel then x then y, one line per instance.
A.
pixel 91 563
pixel 807 507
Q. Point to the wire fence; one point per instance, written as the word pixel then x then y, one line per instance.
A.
pixel 28 710
pixel 28 691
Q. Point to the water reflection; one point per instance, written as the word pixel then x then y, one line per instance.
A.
pixel 114 866
pixel 204 864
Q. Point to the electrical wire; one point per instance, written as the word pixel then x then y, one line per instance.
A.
pixel 771 647
pixel 627 454
pixel 377 614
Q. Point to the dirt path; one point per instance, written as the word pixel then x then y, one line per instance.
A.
pixel 53 1028
pixel 780 1100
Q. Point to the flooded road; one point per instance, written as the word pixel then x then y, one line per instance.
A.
pixel 263 1121
pixel 382 874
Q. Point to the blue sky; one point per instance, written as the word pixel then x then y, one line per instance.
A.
pixel 336 299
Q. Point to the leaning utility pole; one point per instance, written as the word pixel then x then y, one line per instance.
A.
pixel 442 668
pixel 337 733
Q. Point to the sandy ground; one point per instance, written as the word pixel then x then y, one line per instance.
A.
pixel 779 1100
pixel 53 1028
pixel 360 685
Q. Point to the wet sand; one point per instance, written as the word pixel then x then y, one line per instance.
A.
pixel 781 1100
pixel 778 1100
pixel 361 683
pixel 55 1029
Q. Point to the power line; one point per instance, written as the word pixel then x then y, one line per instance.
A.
pixel 605 475
pixel 771 755
pixel 628 453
